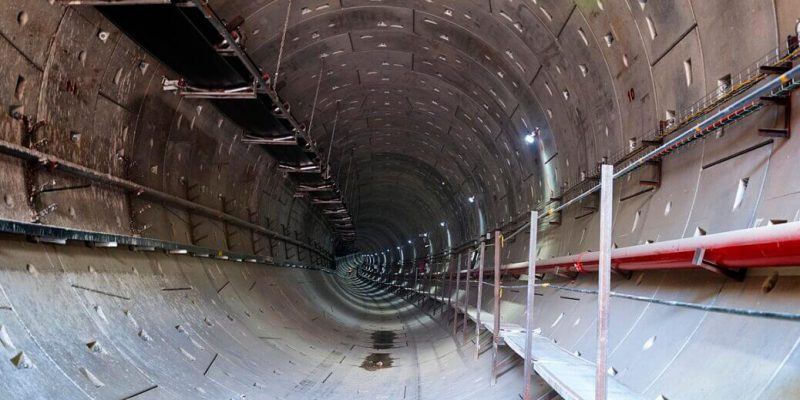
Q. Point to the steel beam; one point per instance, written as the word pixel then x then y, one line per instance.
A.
pixel 455 301
pixel 479 301
pixel 498 292
pixel 466 301
pixel 604 278
pixel 529 302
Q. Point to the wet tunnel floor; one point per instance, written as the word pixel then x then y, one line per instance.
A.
pixel 399 352
pixel 381 340
pixel 377 361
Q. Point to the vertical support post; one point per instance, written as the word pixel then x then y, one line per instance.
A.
pixel 531 295
pixel 254 239
pixel 480 300
pixel 498 292
pixel 466 300
pixel 270 242
pixel 604 277
pixel 299 253
pixel 430 281
pixel 226 231
pixel 455 301
pixel 285 244
pixel 450 283
pixel 422 282
pixel 438 286
pixel 414 288
pixel 442 284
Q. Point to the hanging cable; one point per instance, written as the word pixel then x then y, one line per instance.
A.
pixel 695 306
pixel 348 176
pixel 280 50
pixel 316 95
pixel 330 145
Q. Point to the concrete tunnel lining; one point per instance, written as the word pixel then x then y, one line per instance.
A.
pixel 432 102
pixel 205 328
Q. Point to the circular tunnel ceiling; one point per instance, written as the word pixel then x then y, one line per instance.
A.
pixel 428 104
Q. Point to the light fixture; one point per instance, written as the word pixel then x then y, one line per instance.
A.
pixel 441 223
pixel 530 138
pixel 471 199
pixel 409 242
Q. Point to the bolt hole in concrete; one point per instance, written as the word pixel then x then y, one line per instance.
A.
pixel 649 343
pixel 770 282
pixel 376 361
pixel 22 18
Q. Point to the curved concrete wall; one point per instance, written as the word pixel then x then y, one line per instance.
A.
pixel 81 323
pixel 667 351
pixel 100 103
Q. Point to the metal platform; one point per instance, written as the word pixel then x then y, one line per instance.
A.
pixel 571 376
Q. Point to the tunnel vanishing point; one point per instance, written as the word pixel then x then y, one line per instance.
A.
pixel 399 199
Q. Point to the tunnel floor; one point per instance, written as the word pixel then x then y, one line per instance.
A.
pixel 147 325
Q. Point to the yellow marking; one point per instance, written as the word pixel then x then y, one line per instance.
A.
pixel 784 78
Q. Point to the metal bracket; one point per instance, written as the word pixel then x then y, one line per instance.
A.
pixel 566 274
pixel 699 260
pixel 775 69
pixel 300 169
pixel 273 141
pixel 774 132
pixel 786 103
pixel 625 274
pixel 505 365
pixel 321 188
pixel 191 92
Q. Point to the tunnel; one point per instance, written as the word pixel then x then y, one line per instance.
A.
pixel 399 199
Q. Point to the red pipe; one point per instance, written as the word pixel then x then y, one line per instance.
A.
pixel 768 246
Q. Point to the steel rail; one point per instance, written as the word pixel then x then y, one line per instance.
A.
pixel 696 306
pixel 257 74
pixel 689 133
pixel 60 165
pixel 59 235
pixel 745 312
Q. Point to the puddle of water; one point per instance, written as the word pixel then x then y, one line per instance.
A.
pixel 376 361
pixel 382 340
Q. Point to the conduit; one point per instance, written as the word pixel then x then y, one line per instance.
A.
pixel 767 246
